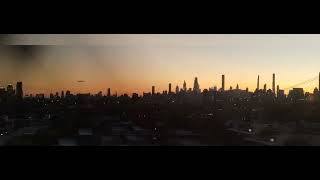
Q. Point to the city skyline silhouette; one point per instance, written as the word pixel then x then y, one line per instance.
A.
pixel 154 90
pixel 133 63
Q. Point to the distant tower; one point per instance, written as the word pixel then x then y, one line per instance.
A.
pixel 230 88
pixel 265 87
pixel 237 87
pixel 153 90
pixel 258 83
pixel 19 90
pixel 247 89
pixel 177 89
pixel 196 85
pixel 10 89
pixel 274 83
pixel 62 94
pixel 169 88
pixel 185 86
pixel 68 93
pixel 278 90
pixel 109 92
pixel 223 81
pixel 51 96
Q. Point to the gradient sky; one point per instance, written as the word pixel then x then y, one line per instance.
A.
pixel 133 63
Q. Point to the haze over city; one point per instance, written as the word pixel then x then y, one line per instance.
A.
pixel 134 63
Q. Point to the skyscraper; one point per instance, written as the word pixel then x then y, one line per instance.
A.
pixel 109 92
pixel 68 93
pixel 153 90
pixel 222 88
pixel 2 92
pixel 265 88
pixel 62 94
pixel 19 90
pixel 169 88
pixel 196 87
pixel 273 83
pixel 10 89
pixel 278 90
pixel 237 87
pixel 184 86
pixel 51 96
pixel 177 89
pixel 258 83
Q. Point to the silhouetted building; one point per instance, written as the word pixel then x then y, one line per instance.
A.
pixel 169 88
pixel 10 90
pixel 247 89
pixel 237 87
pixel 135 97
pixel 196 87
pixel 177 89
pixel 223 81
pixel 153 90
pixel 19 90
pixel 296 94
pixel 39 96
pixel 109 92
pixel 265 88
pixel 184 86
pixel 62 94
pixel 68 93
pixel 281 94
pixel 273 83
pixel 99 94
pixel 258 83
pixel 278 89
pixel 2 93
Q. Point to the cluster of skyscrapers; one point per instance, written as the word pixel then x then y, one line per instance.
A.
pixel 196 87
pixel 11 92
pixel 17 92
pixel 294 94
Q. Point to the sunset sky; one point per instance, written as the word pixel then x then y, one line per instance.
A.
pixel 133 63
